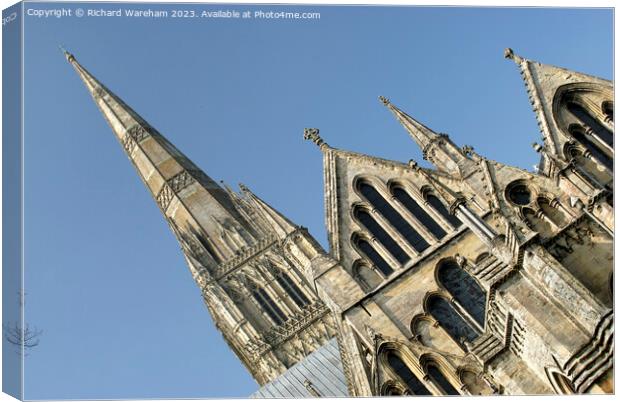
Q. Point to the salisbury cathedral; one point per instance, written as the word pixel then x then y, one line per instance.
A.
pixel 471 278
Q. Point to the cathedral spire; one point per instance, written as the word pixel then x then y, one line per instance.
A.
pixel 436 148
pixel 421 134
pixel 190 200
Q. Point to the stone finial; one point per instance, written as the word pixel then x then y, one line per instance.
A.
pixel 537 147
pixel 509 53
pixel 244 188
pixel 467 149
pixel 384 100
pixel 413 165
pixel 70 58
pixel 312 134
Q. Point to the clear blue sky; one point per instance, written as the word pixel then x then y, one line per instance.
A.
pixel 105 278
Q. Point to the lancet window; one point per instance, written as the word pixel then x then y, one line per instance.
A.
pixel 437 376
pixel 393 217
pixel 464 289
pixel 376 258
pixel 579 133
pixel 600 132
pixel 381 235
pixel 442 210
pixel 450 320
pixel 421 215
pixel 416 387
pixel 588 167
pixel 292 290
pixel 267 305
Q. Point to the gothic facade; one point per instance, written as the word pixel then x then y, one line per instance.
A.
pixel 470 278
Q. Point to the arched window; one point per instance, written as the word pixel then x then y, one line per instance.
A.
pixel 392 216
pixel 584 116
pixel 417 211
pixel 579 134
pixel 443 211
pixel 552 212
pixel 292 289
pixel 375 257
pixel 384 238
pixel 440 380
pixel 268 306
pixel 591 168
pixel 536 223
pixel 451 321
pixel 400 368
pixel 608 110
pixel 464 288
pixel 366 276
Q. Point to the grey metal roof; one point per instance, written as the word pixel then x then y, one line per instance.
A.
pixel 320 371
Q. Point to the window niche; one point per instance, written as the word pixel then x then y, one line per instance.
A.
pixel 400 368
pixel 463 288
pixel 418 212
pixel 378 202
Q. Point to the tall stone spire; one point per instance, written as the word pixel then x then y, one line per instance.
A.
pixel 189 199
pixel 436 148
pixel 243 254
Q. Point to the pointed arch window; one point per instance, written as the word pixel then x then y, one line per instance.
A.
pixel 267 305
pixel 589 167
pixel 551 210
pixel 443 211
pixel 366 276
pixel 451 321
pixel 464 288
pixel 440 380
pixel 292 290
pixel 380 234
pixel 419 212
pixel 375 257
pixel 392 216
pixel 406 375
pixel 580 135
pixel 586 118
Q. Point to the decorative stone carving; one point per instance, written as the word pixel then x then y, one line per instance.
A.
pixel 164 197
pixel 180 180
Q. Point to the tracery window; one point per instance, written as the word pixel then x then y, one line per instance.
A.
pixel 375 257
pixel 600 131
pixel 442 210
pixel 551 210
pixel 440 380
pixel 578 132
pixel 417 211
pixel 392 216
pixel 381 235
pixel 450 320
pixel 464 288
pixel 594 171
pixel 406 375
pixel 292 289
pixel 269 306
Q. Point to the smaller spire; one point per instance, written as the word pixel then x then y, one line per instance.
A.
pixel 421 134
pixel 312 134
pixel 70 58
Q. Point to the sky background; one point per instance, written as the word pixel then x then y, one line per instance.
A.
pixel 104 276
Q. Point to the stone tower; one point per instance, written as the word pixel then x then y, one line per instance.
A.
pixel 246 257
pixel 476 277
